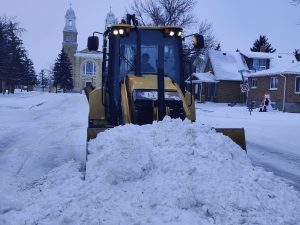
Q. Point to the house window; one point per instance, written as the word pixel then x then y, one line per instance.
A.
pixel 259 64
pixel 89 68
pixel 274 83
pixel 254 83
pixel 297 85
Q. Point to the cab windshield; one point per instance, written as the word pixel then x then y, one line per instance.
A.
pixel 156 51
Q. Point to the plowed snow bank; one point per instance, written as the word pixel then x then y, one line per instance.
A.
pixel 171 172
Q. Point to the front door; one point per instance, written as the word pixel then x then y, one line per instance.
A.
pixel 210 91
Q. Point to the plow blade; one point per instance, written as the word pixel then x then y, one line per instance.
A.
pixel 235 134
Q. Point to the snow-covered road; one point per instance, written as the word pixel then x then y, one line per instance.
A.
pixel 273 140
pixel 40 131
pixel 143 174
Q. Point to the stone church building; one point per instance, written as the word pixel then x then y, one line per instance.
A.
pixel 86 65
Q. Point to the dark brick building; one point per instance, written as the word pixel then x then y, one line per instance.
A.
pixel 225 67
pixel 231 69
pixel 283 85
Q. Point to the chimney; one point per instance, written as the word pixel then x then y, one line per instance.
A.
pixel 262 49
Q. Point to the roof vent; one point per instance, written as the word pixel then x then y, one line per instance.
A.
pixel 280 56
pixel 224 53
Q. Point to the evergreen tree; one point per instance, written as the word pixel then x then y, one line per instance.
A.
pixel 15 66
pixel 43 79
pixel 262 42
pixel 29 77
pixel 62 72
pixel 218 48
pixel 297 54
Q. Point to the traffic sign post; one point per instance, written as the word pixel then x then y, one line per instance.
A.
pixel 244 87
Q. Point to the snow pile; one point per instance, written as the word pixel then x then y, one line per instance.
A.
pixel 171 172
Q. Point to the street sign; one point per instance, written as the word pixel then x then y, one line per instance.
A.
pixel 244 87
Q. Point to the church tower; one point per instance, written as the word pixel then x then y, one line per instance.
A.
pixel 70 36
pixel 110 19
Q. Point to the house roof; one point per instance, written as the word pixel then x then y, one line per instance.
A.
pixel 293 68
pixel 202 77
pixel 226 65
pixel 257 55
pixel 282 60
pixel 276 59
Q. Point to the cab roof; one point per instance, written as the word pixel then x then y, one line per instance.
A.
pixel 123 25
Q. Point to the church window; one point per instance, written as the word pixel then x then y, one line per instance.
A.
pixel 70 23
pixel 89 68
pixel 69 38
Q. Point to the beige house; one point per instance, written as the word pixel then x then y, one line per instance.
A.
pixel 87 69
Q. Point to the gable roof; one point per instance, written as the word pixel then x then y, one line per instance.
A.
pixel 202 77
pixel 293 68
pixel 226 65
pixel 276 59
pixel 282 60
pixel 257 55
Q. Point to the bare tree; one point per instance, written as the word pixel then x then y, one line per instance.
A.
pixel 295 2
pixel 176 13
pixel 205 29
pixel 194 57
pixel 164 12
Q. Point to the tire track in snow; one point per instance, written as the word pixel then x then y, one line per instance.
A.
pixel 260 154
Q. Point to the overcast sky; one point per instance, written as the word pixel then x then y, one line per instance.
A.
pixel 236 23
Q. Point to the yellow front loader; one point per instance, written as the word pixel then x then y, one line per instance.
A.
pixel 142 79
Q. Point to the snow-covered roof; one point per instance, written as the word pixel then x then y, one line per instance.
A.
pixel 92 55
pixel 293 68
pixel 257 55
pixel 202 77
pixel 276 59
pixel 226 65
pixel 282 60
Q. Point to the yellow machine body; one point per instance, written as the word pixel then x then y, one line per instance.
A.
pixel 132 94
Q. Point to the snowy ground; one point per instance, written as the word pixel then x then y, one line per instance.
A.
pixel 151 174
pixel 38 132
pixel 273 140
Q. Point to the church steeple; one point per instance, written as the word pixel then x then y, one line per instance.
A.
pixel 70 20
pixel 110 19
pixel 70 36
pixel 70 31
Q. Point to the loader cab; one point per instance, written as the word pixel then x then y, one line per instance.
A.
pixel 139 51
